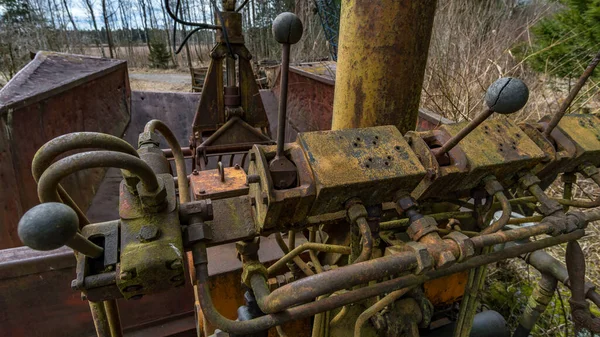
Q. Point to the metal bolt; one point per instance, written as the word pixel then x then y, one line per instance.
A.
pixel 133 288
pixel 237 166
pixel 136 297
pixel 252 179
pixel 126 275
pixel 175 265
pixel 148 233
pixel 265 197
pixel 195 172
pixel 83 297
pixel 253 201
pixel 202 192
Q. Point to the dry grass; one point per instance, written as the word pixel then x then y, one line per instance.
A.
pixel 140 85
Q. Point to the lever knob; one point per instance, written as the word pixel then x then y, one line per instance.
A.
pixel 507 95
pixel 287 28
pixel 52 225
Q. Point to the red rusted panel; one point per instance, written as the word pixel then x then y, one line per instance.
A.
pixel 310 101
pixel 53 95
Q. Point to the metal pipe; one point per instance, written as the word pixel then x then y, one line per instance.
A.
pixel 100 319
pixel 506 212
pixel 366 240
pixel 281 118
pixel 311 253
pixel 297 260
pixel 572 94
pixel 383 47
pixel 307 310
pixel 452 142
pixel 75 141
pixel 56 172
pixel 182 182
pixel 321 247
pixel 377 307
pixel 401 223
pixel 574 202
pixel 114 319
pixel 337 279
pixel 361 273
pixel 536 305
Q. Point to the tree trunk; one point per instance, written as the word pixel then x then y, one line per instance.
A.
pixel 90 9
pixel 107 29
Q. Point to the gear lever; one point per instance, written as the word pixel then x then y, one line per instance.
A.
pixel 287 30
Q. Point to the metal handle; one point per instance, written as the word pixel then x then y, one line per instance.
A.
pixel 52 225
pixel 507 95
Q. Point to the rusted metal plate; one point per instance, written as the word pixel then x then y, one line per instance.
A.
pixel 208 184
pixel 235 220
pixel 357 163
pixel 584 132
pixel 496 147
pixel 310 100
pixel 53 95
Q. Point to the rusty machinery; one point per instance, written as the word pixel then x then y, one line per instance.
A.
pixel 398 226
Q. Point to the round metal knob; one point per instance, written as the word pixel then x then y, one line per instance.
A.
pixel 52 225
pixel 507 95
pixel 287 28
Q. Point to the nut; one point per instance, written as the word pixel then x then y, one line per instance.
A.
pixel 421 227
pixel 424 259
pixel 148 233
pixel 155 200
pixel 355 210
pixel 528 180
pixel 492 186
pixel 148 138
pixel 196 232
pixel 252 179
pixel 200 208
pixel 444 259
pixel 587 170
pixel 248 247
pixel 252 268
pixel 406 202
pixel 465 245
pixel 549 207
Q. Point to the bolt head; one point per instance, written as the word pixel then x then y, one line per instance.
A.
pixel 148 233
pixel 48 226
pixel 287 28
pixel 507 95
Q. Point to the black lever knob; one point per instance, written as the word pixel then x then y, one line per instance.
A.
pixel 504 96
pixel 287 30
pixel 52 225
pixel 507 95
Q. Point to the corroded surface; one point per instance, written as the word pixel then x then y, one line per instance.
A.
pixel 383 48
pixel 53 95
pixel 357 163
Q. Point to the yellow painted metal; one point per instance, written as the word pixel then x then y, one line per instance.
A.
pixel 383 47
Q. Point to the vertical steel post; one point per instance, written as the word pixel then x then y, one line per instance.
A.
pixel 382 54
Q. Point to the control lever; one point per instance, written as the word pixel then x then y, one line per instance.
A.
pixel 287 30
pixel 52 225
pixel 504 96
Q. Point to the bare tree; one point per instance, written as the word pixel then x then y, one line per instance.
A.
pixel 90 8
pixel 107 29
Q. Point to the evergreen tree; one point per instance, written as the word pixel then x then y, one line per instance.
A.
pixel 159 56
pixel 565 43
